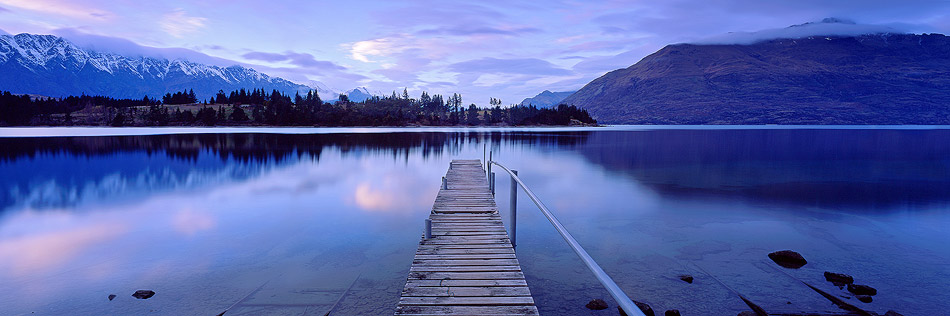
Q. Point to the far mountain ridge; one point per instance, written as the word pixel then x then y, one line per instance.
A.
pixel 53 66
pixel 547 99
pixel 869 79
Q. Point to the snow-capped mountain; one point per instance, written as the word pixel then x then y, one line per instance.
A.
pixel 53 66
pixel 324 91
pixel 359 94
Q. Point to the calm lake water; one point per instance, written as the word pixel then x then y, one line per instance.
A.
pixel 294 223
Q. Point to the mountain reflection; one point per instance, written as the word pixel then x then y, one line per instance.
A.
pixel 864 169
pixel 59 172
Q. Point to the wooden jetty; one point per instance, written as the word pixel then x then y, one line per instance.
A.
pixel 468 267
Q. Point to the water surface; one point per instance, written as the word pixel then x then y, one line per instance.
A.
pixel 274 223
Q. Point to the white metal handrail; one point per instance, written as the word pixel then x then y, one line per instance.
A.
pixel 625 303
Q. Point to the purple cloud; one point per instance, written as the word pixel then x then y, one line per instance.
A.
pixel 302 60
pixel 126 47
pixel 524 66
pixel 469 30
pixel 826 27
pixel 271 57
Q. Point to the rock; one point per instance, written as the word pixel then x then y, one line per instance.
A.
pixel 672 312
pixel 111 296
pixel 864 298
pixel 858 289
pixel 892 313
pixel 838 279
pixel 788 259
pixel 687 278
pixel 143 294
pixel 597 304
pixel 645 308
pixel 747 313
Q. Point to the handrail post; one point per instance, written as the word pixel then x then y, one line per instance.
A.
pixel 513 205
pixel 445 184
pixel 488 172
pixel 491 183
pixel 428 228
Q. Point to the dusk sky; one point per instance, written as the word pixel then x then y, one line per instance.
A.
pixel 504 49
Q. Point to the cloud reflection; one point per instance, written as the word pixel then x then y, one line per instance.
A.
pixel 190 222
pixel 28 254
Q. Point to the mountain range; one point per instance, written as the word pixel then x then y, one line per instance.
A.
pixel 547 99
pixel 53 66
pixel 883 78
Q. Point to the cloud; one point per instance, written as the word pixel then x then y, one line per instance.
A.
pixel 598 65
pixel 526 66
pixel 306 66
pixel 302 60
pixel 66 8
pixel 126 47
pixel 363 50
pixel 178 23
pixel 270 57
pixel 826 27
pixel 470 30
pixel 4 10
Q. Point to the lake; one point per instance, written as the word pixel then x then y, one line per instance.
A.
pixel 299 221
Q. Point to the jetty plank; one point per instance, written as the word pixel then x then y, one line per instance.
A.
pixel 468 267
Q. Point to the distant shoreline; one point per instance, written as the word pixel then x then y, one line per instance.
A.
pixel 74 131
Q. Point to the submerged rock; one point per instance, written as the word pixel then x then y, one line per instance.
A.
pixel 788 259
pixel 597 304
pixel 672 312
pixel 893 313
pixel 143 294
pixel 111 296
pixel 747 313
pixel 858 289
pixel 838 279
pixel 687 278
pixel 864 298
pixel 645 308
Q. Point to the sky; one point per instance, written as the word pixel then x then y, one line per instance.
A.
pixel 507 49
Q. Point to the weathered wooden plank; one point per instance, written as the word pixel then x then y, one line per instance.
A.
pixel 478 301
pixel 466 275
pixel 467 291
pixel 465 269
pixel 466 310
pixel 451 251
pixel 453 282
pixel 465 256
pixel 475 262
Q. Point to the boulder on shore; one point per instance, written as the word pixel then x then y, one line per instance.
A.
pixel 838 279
pixel 687 278
pixel 788 259
pixel 143 294
pixel 597 304
pixel 858 289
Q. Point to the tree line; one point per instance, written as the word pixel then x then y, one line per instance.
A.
pixel 258 108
